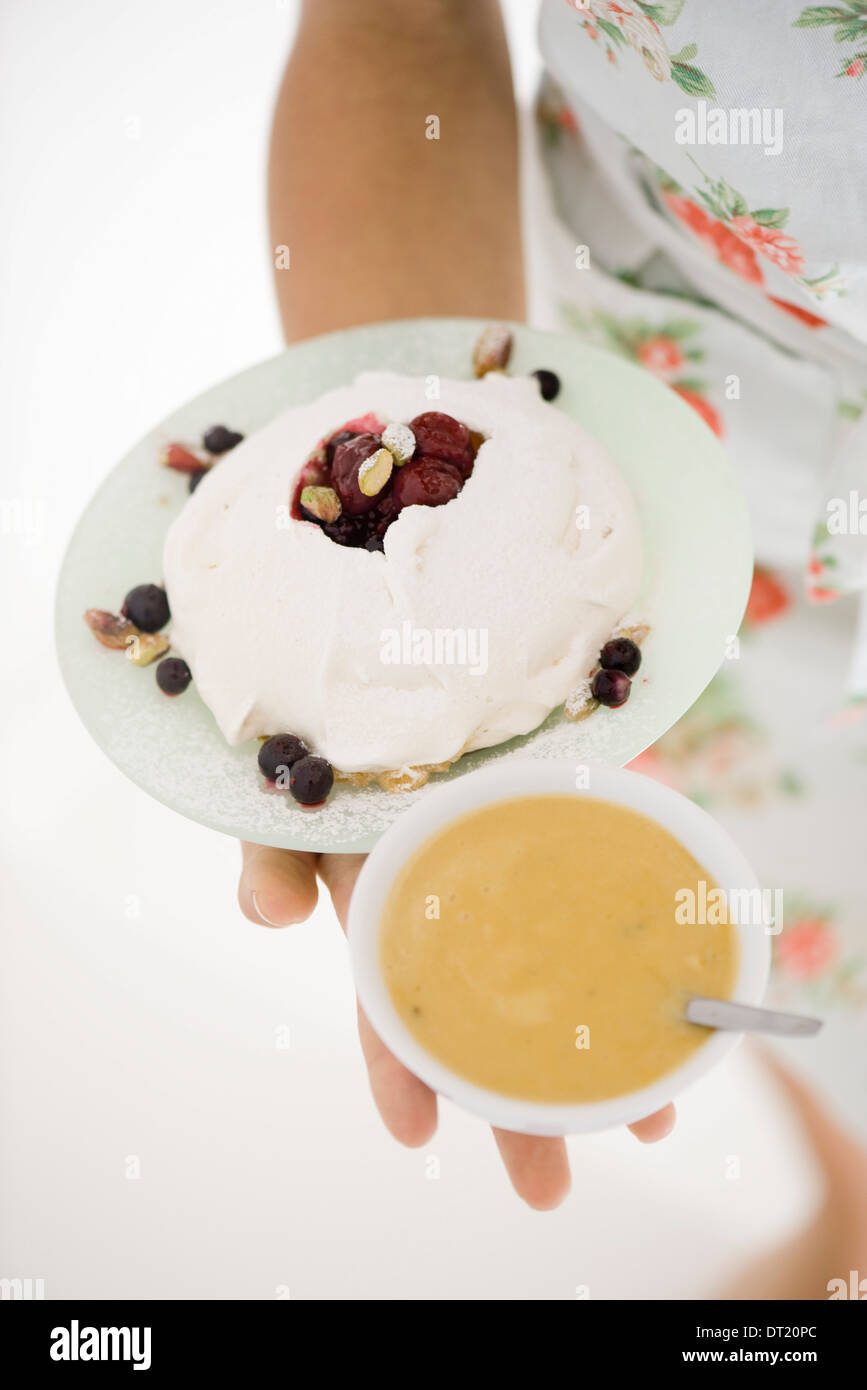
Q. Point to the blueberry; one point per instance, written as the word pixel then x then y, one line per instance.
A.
pixel 280 751
pixel 219 440
pixel 310 780
pixel 147 606
pixel 196 478
pixel 342 437
pixel 347 530
pixel 173 675
pixel 611 688
pixel 549 383
pixel 375 543
pixel 620 654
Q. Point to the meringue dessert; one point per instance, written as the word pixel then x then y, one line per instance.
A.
pixel 397 590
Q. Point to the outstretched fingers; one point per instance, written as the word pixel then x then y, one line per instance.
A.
pixel 407 1106
pixel 656 1126
pixel 538 1168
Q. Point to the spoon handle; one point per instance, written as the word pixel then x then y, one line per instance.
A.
pixel 745 1018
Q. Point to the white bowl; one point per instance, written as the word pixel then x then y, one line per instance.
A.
pixel 692 827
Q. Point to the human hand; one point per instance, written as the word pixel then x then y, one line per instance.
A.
pixel 279 888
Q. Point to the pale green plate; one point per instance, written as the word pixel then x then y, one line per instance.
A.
pixel 697 550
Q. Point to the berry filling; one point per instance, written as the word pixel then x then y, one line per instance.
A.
pixel 358 480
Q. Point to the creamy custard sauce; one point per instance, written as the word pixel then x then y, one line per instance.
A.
pixel 532 947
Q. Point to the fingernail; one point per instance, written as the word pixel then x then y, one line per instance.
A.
pixel 264 916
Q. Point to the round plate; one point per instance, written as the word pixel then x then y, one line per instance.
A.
pixel 697 569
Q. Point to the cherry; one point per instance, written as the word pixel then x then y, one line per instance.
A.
pixel 427 482
pixel 342 437
pixel 443 437
pixel 348 458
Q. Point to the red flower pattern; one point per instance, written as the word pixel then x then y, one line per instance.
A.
pixel 728 248
pixel 768 598
pixel 803 315
pixel 806 948
pixel 660 355
pixel 702 408
pixel 770 242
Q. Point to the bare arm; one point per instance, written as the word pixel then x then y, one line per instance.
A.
pixel 381 221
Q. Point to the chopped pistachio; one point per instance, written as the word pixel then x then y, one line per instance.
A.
pixel 321 502
pixel 400 442
pixel 375 472
pixel 145 647
pixel 493 350
pixel 110 629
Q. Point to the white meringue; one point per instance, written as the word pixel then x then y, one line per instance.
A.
pixel 535 561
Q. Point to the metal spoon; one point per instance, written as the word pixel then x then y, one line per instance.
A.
pixel 744 1018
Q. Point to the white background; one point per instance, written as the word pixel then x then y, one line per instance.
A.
pixel 141 1012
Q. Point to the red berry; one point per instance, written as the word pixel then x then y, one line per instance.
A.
pixel 341 437
pixel 611 688
pixel 348 458
pixel 427 482
pixel 385 514
pixel 442 437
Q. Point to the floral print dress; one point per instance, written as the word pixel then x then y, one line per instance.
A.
pixel 705 216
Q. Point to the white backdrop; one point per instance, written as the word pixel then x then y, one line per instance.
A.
pixel 141 1013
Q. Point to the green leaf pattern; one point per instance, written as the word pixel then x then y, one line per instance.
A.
pixel 637 26
pixel 849 23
